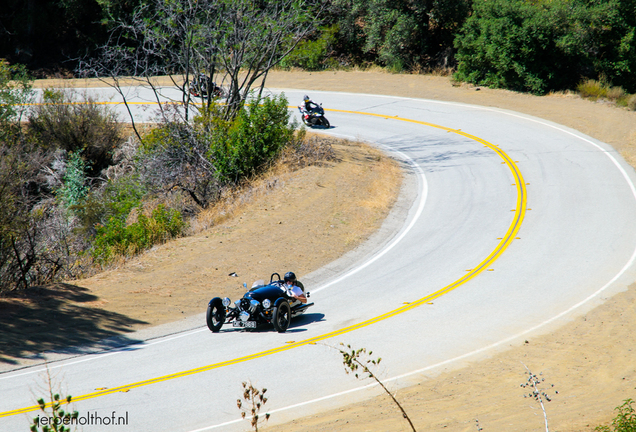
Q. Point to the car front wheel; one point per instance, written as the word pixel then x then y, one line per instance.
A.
pixel 281 317
pixel 215 316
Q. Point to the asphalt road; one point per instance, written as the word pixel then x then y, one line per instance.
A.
pixel 507 226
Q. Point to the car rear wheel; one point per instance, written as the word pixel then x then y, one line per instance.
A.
pixel 281 317
pixel 215 316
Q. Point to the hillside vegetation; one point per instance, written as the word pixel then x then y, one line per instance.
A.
pixel 536 46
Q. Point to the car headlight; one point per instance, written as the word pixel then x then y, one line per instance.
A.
pixel 227 301
pixel 267 304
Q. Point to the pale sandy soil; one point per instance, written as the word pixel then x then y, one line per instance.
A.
pixel 590 360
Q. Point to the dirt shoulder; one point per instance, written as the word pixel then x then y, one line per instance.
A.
pixel 288 220
pixel 591 360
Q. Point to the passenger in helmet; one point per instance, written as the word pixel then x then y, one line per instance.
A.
pixel 295 288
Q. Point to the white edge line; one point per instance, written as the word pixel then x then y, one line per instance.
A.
pixel 89 357
pixel 389 247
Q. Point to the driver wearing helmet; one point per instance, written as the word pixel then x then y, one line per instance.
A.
pixel 295 288
pixel 309 106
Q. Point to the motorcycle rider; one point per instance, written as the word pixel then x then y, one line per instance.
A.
pixel 295 288
pixel 310 105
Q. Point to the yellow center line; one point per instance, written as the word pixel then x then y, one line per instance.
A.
pixel 506 240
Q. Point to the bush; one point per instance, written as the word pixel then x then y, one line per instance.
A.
pixel 176 156
pixel 117 238
pixel 252 140
pixel 62 121
pixel 312 54
pixel 74 188
pixel 399 34
pixel 625 420
pixel 631 102
pixel 27 247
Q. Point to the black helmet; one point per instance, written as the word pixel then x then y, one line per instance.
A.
pixel 290 277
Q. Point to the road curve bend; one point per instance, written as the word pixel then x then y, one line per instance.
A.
pixel 509 225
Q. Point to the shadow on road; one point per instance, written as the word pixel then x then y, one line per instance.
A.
pixel 57 318
pixel 307 318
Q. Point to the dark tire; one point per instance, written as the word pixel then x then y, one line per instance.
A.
pixel 215 316
pixel 281 317
pixel 325 123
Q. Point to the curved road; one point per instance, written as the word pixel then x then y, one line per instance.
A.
pixel 508 225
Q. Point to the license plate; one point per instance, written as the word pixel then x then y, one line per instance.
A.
pixel 246 324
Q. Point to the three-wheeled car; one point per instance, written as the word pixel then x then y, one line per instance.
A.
pixel 261 304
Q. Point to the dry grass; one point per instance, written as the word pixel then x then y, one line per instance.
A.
pixel 593 89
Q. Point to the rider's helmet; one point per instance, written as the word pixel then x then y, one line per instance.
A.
pixel 290 277
pixel 306 99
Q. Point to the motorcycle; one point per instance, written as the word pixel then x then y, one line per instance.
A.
pixel 202 86
pixel 315 117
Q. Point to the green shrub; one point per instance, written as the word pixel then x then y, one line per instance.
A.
pixel 116 238
pixel 74 189
pixel 114 201
pixel 625 420
pixel 312 54
pixel 252 140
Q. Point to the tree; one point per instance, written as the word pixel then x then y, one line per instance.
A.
pixel 234 43
pixel 401 34
pixel 49 33
pixel 546 45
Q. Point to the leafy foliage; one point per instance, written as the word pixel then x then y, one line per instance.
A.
pixel 202 158
pixel 74 189
pixel 625 420
pixel 400 34
pixel 313 54
pixel 15 92
pixel 252 140
pixel 117 238
pixel 59 417
pixel 547 45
